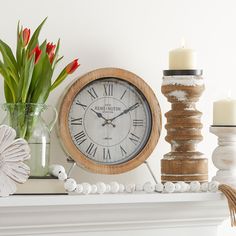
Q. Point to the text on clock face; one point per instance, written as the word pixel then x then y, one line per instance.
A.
pixel 109 121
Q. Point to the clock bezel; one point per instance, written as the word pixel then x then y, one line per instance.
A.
pixel 64 132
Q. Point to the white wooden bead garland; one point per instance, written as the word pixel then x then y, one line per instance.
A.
pixel 70 185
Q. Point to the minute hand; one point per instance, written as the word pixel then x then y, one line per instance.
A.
pixel 126 111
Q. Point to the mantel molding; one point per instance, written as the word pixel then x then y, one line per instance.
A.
pixel 103 214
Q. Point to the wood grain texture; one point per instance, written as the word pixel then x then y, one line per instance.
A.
pixel 184 162
pixel 63 127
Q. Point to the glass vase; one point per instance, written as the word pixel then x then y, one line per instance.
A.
pixel 27 120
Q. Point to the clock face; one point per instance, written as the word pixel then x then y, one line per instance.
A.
pixel 109 121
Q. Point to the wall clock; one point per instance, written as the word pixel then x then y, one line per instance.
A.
pixel 109 121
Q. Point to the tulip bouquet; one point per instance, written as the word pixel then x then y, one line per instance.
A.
pixel 28 74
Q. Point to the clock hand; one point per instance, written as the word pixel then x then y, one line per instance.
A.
pixel 99 115
pixel 126 111
pixel 122 113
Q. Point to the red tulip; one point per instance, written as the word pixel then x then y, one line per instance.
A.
pixel 50 48
pixel 37 53
pixel 26 36
pixel 70 68
pixel 51 58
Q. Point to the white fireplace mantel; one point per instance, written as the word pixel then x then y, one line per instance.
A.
pixel 186 214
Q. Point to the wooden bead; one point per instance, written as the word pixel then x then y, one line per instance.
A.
pixel 148 187
pixel 169 187
pixel 79 188
pixel 183 186
pixel 62 176
pixel 159 187
pixel 70 185
pixel 195 186
pixel 101 187
pixel 130 188
pixel 177 187
pixel 213 186
pixel 114 187
pixel 86 188
pixel 56 169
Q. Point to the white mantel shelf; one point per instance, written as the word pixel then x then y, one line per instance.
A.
pixel 186 214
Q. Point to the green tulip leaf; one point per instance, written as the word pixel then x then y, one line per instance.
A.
pixel 37 73
pixel 28 72
pixel 34 39
pixel 9 58
pixel 8 93
pixel 41 93
pixel 8 81
pixel 59 79
pixel 19 46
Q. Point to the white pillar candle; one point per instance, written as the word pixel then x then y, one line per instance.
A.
pixel 182 59
pixel 224 112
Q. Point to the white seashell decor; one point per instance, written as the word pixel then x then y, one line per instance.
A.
pixel 12 154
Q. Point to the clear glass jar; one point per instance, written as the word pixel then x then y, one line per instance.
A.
pixel 26 119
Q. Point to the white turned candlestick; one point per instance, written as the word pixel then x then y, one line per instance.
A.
pixel 224 156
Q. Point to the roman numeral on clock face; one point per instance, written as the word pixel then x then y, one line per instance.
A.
pixel 92 149
pixel 80 104
pixel 92 93
pixel 134 138
pixel 138 122
pixel 123 152
pixel 106 154
pixel 123 94
pixel 80 137
pixel 108 89
pixel 76 121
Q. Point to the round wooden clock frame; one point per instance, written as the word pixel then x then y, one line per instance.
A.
pixel 64 131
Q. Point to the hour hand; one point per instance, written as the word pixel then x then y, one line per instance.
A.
pixel 99 115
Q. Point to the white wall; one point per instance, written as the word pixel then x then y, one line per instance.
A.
pixel 135 35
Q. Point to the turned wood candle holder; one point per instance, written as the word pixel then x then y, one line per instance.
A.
pixel 184 162
pixel 224 155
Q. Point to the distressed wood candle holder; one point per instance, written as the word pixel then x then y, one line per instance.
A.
pixel 184 162
pixel 224 156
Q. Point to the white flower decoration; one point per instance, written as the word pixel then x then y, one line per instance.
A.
pixel 12 154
